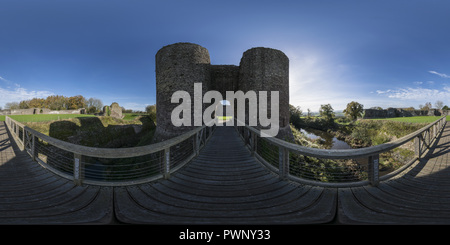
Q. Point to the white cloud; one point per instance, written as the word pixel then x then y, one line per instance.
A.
pixel 439 74
pixel 417 94
pixel 1 78
pixel 383 92
pixel 13 92
pixel 18 94
pixel 135 106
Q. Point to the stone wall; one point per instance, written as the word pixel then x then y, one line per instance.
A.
pixel 180 65
pixel 32 111
pixel 266 69
pixel 224 78
pixel 398 112
pixel 48 111
pixel 113 110
pixel 116 110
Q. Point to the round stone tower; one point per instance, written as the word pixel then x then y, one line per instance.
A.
pixel 178 67
pixel 266 69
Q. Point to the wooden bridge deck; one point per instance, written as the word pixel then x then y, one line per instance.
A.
pixel 421 195
pixel 223 185
pixel 30 194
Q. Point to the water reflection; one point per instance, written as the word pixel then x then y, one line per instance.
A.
pixel 328 139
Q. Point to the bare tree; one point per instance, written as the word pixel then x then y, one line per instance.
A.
pixel 94 105
pixel 439 104
pixel 12 105
pixel 425 107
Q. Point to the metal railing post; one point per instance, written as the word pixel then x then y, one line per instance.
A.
pixel 417 148
pixel 23 137
pixel 77 169
pixel 246 136
pixel 374 176
pixel 253 143
pixel 196 144
pixel 33 147
pixel 283 158
pixel 166 165
pixel 16 130
pixel 203 135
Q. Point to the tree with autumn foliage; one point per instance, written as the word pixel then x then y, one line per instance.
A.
pixel 76 102
pixel 55 102
pixel 37 103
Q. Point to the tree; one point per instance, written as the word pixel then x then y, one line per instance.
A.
pixel 439 104
pixel 24 104
pixel 445 107
pixel 76 102
pixel 94 105
pixel 376 108
pixel 57 102
pixel 36 103
pixel 354 110
pixel 295 115
pixel 327 112
pixel 426 107
pixel 151 111
pixel 12 105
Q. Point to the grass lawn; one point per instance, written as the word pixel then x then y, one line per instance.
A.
pixel 44 117
pixel 419 119
pixel 132 116
pixel 224 117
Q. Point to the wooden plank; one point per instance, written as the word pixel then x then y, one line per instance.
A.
pixel 30 194
pixel 419 196
pixel 114 152
pixel 222 189
pixel 345 153
pixel 225 185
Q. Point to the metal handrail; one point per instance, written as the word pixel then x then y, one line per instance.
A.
pixel 114 152
pixel 423 139
pixel 27 139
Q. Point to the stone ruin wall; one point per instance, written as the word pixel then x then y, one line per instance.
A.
pixel 398 112
pixel 266 69
pixel 32 111
pixel 180 65
pixel 224 78
pixel 113 110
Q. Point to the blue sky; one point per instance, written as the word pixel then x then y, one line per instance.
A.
pixel 392 53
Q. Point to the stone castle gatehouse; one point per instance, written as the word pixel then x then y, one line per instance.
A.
pixel 180 65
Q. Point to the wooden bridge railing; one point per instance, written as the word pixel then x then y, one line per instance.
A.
pixel 109 166
pixel 127 166
pixel 336 168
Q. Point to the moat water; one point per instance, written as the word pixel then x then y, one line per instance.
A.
pixel 328 139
